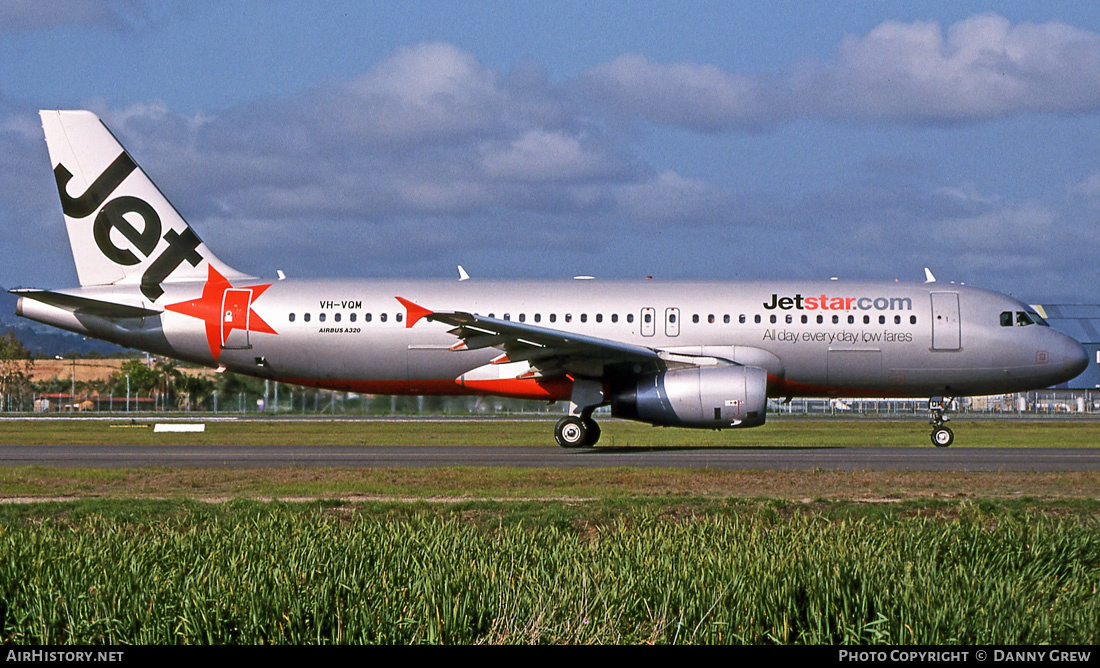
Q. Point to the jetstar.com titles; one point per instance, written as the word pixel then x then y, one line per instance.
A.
pixel 829 303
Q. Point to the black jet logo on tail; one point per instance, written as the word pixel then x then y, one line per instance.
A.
pixel 181 246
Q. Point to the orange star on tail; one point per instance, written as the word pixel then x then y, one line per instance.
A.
pixel 211 309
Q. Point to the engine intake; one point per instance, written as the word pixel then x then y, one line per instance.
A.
pixel 718 397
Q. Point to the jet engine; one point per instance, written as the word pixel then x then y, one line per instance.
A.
pixel 713 397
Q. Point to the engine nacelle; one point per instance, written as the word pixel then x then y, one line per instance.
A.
pixel 715 397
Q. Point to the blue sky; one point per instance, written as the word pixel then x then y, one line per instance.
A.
pixel 521 139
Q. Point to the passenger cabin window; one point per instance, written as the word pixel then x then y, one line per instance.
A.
pixel 305 316
pixel 630 317
pixel 553 317
pixel 382 317
pixel 614 317
pixel 321 317
pixel 399 317
pixel 352 317
pixel 336 317
pixel 366 317
pixel 292 317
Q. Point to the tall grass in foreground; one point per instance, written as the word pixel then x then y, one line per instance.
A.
pixel 306 576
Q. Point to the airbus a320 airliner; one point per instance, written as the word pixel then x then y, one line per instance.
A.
pixel 683 354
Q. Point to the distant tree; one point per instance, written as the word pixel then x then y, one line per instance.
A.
pixel 193 392
pixel 168 374
pixel 142 378
pixel 15 371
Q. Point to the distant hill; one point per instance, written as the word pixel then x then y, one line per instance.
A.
pixel 7 306
pixel 45 341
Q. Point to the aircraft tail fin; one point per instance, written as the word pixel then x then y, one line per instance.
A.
pixel 122 229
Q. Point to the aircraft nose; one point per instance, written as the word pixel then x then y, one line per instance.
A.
pixel 1075 359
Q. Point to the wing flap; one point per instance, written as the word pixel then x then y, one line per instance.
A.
pixel 551 351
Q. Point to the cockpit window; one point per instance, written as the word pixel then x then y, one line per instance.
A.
pixel 1037 319
pixel 1025 318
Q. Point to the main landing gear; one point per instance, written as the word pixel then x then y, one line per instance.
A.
pixel 574 431
pixel 942 436
pixel 579 430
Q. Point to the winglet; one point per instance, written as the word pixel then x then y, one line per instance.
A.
pixel 928 277
pixel 415 311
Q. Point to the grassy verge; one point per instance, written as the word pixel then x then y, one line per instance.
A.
pixel 695 571
pixel 484 555
pixel 779 432
pixel 451 484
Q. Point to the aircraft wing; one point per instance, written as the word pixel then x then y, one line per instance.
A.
pixel 551 351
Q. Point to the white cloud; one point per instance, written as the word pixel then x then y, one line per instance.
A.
pixel 541 155
pixel 29 15
pixel 983 67
pixel 430 155
pixel 671 199
pixel 428 90
pixel 429 132
pixel 1088 188
pixel 702 97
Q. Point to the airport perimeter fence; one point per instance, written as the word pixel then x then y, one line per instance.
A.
pixel 285 400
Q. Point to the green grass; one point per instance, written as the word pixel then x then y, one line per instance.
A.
pixel 741 572
pixel 778 432
pixel 456 484
pixel 498 555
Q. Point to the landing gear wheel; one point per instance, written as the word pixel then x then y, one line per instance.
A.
pixel 942 437
pixel 593 429
pixel 571 432
pixel 937 409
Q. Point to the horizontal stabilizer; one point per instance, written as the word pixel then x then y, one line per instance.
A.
pixel 86 305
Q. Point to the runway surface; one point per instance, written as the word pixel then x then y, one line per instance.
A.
pixel 844 459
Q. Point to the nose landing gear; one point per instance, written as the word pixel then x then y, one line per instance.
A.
pixel 942 436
